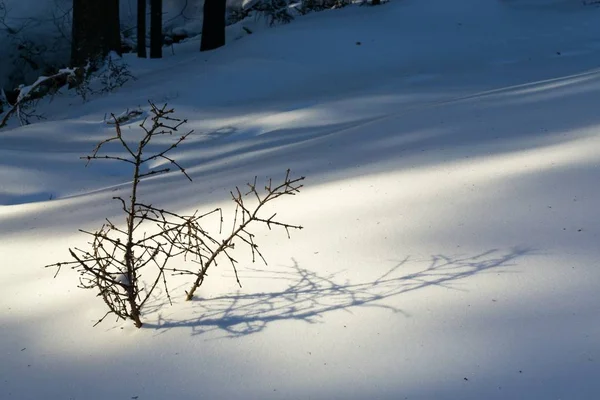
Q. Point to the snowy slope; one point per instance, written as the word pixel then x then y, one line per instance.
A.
pixel 452 155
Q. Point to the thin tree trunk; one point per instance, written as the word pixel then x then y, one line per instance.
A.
pixel 213 26
pixel 95 30
pixel 156 36
pixel 77 32
pixel 113 27
pixel 141 28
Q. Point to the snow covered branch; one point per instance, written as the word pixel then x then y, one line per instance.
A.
pixel 42 86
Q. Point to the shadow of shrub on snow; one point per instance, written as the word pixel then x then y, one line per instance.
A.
pixel 309 295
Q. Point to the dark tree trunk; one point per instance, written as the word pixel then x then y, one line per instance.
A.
pixel 95 30
pixel 156 36
pixel 113 26
pixel 141 28
pixel 213 25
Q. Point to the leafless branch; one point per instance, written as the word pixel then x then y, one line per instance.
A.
pixel 117 256
pixel 244 216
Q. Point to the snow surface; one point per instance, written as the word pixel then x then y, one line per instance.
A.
pixel 452 155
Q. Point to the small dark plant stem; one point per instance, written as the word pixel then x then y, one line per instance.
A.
pixel 129 256
pixel 224 245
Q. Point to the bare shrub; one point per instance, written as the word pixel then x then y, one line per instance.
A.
pixel 118 256
pixel 102 76
pixel 275 11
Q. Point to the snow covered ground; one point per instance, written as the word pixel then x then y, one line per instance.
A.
pixel 451 249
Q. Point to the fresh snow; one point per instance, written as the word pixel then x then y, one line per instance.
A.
pixel 451 242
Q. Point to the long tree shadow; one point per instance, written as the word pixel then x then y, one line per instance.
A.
pixel 310 295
